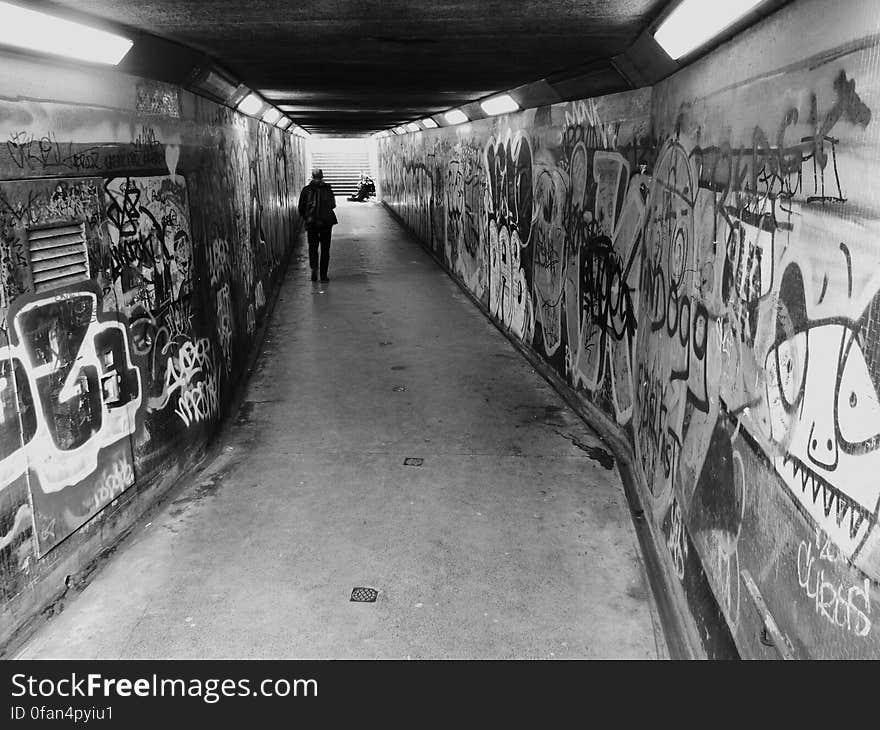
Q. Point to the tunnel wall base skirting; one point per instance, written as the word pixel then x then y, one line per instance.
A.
pixel 143 233
pixel 699 262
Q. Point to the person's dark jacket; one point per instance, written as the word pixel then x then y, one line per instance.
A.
pixel 316 204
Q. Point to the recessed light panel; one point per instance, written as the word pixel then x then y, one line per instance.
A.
pixel 456 116
pixel 502 104
pixel 694 22
pixel 36 31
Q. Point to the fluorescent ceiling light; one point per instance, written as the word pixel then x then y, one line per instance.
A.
pixel 413 127
pixel 43 33
pixel 694 22
pixel 501 104
pixel 251 104
pixel 271 115
pixel 456 116
pixel 429 123
pixel 284 122
pixel 399 130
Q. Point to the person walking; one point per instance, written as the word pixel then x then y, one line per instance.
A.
pixel 316 204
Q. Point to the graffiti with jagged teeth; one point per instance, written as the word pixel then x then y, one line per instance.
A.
pixel 825 412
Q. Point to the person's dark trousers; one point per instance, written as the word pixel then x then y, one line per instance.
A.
pixel 319 235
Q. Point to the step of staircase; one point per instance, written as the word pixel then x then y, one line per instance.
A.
pixel 342 169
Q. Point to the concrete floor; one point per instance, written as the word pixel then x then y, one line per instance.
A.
pixel 509 541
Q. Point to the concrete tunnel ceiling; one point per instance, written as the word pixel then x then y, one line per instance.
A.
pixel 352 67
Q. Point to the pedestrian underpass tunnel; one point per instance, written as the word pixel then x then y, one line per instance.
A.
pixel 560 396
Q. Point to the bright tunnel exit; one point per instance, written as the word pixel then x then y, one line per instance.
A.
pixel 344 160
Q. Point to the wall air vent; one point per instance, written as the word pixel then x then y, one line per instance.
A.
pixel 58 256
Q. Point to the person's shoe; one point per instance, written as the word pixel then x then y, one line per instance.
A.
pixel 324 277
pixel 314 275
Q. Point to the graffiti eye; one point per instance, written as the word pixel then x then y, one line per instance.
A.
pixel 789 370
pixel 858 409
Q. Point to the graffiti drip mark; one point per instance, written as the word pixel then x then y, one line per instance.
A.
pixel 825 288
pixel 594 452
pixel 846 253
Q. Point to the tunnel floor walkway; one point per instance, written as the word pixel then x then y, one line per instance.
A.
pixel 510 539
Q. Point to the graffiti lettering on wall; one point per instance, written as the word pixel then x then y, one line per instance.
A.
pixel 224 323
pixel 608 246
pixel 150 256
pixel 466 190
pixel 509 166
pixel 33 153
pixel 112 482
pixel 218 261
pixel 676 540
pixel 191 375
pixel 78 393
pixel 28 151
pixel 843 605
pixel 157 98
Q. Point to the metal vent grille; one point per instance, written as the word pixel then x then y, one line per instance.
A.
pixel 58 256
pixel 362 594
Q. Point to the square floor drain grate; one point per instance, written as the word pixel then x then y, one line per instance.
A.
pixel 364 595
pixel 413 461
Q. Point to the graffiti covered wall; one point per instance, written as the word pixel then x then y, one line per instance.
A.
pixel 142 231
pixel 700 260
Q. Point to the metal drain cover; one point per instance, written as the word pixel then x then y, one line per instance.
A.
pixel 413 461
pixel 364 595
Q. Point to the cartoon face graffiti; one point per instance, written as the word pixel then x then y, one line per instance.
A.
pixel 825 414
pixel 548 242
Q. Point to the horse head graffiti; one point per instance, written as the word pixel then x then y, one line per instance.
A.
pixel 822 378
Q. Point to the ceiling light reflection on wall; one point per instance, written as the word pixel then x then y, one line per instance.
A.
pixel 501 104
pixel 271 115
pixel 456 116
pixel 251 104
pixel 694 22
pixel 413 127
pixel 429 123
pixel 35 31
